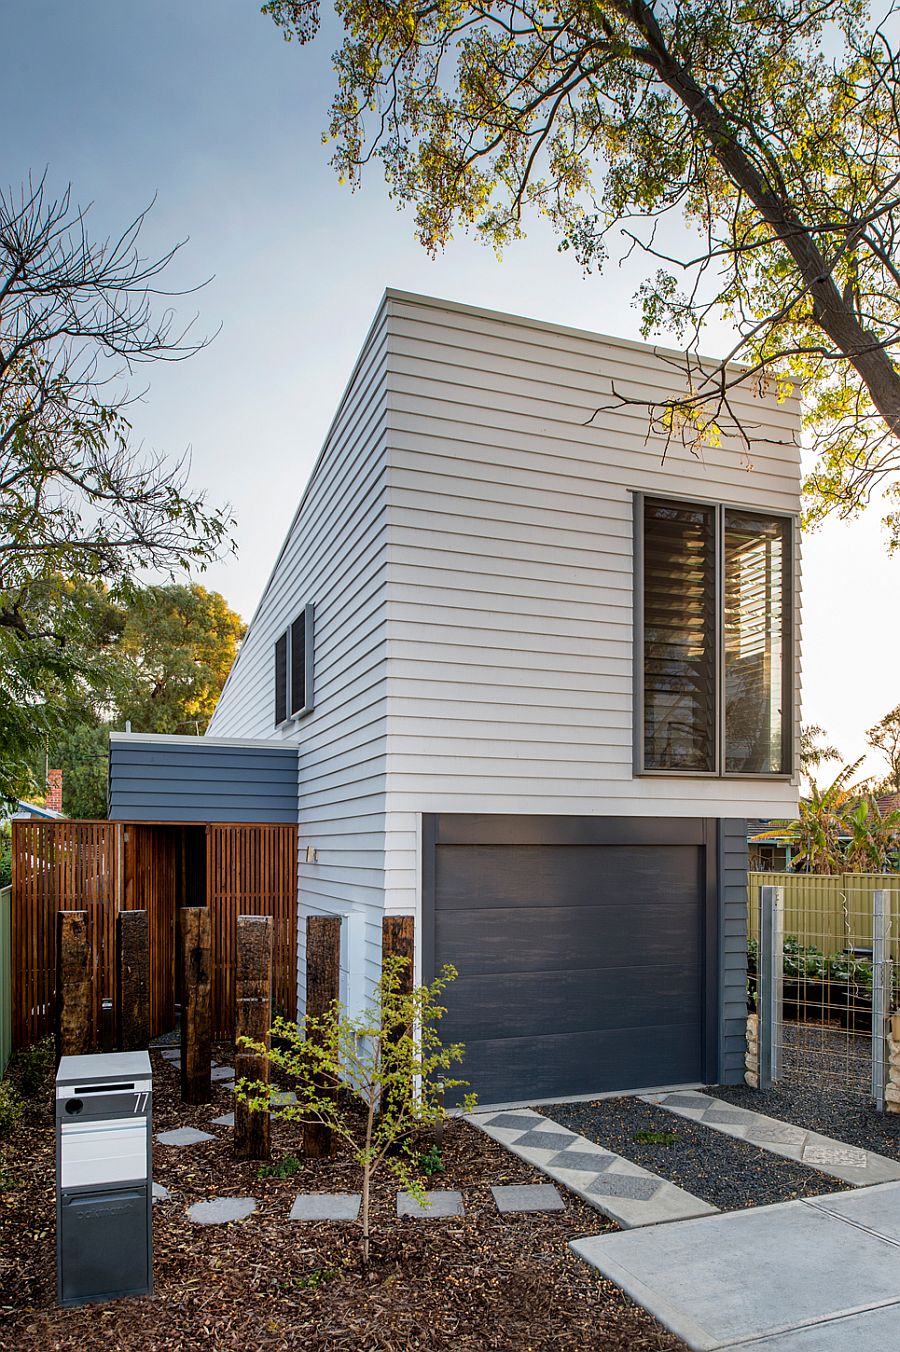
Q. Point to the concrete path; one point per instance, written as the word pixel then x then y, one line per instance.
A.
pixel 836 1158
pixel 630 1195
pixel 818 1275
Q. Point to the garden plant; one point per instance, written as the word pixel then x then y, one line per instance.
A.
pixel 377 1079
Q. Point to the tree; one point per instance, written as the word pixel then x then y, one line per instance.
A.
pixel 812 750
pixel 160 662
pixel 885 737
pixel 375 1058
pixel 609 118
pixel 178 646
pixel 78 502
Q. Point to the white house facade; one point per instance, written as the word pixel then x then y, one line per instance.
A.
pixel 538 668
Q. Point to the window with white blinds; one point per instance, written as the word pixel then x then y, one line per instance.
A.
pixel 715 622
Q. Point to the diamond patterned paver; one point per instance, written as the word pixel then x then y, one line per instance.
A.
pixel 584 1161
pixel 222 1073
pixel 285 1098
pixel 634 1197
pixel 443 1203
pixel 184 1136
pixel 687 1101
pixel 729 1117
pixel 326 1206
pixel 542 1140
pixel 522 1197
pixel 221 1210
pixel 171 1054
pixel 846 1155
pixel 226 1120
pixel 638 1188
pixel 512 1121
pixel 160 1194
pixel 779 1133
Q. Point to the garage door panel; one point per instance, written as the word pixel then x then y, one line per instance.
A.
pixel 559 938
pixel 527 1004
pixel 596 1061
pixel 485 876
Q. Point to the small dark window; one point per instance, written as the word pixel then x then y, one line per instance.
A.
pixel 281 674
pixel 298 663
pixel 679 637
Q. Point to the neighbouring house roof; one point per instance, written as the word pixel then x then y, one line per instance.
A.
pixel 761 832
pixel 25 810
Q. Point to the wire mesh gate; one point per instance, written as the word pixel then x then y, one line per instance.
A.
pixel 824 973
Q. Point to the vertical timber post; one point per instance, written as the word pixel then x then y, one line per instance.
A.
pixel 770 983
pixel 323 990
pixel 74 1033
pixel 398 941
pixel 882 984
pixel 133 984
pixel 253 1019
pixel 196 1051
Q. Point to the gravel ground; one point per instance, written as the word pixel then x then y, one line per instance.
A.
pixel 482 1283
pixel 728 1173
pixel 815 1092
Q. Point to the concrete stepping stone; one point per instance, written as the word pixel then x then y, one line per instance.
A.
pixel 285 1098
pixel 221 1210
pixel 222 1073
pixel 226 1120
pixel 835 1158
pixel 183 1136
pixel 171 1054
pixel 522 1197
pixel 630 1195
pixel 160 1194
pixel 444 1203
pixel 326 1206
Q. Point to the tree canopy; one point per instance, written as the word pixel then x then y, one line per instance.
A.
pixel 771 127
pixel 159 662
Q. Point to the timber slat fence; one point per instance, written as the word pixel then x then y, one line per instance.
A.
pixel 5 977
pixel 104 867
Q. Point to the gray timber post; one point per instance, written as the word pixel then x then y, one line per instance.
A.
pixel 771 983
pixel 881 991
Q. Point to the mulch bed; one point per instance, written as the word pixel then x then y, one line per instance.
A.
pixel 725 1172
pixel 481 1282
pixel 815 1061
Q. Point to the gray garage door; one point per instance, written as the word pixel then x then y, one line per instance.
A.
pixel 581 962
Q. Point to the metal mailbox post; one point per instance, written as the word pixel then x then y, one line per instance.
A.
pixel 104 1180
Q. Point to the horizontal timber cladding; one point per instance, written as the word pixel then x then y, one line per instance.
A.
pixel 251 870
pixel 199 779
pixel 587 950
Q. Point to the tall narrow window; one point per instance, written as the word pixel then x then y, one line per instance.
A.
pixel 756 640
pixel 679 637
pixel 302 640
pixel 281 671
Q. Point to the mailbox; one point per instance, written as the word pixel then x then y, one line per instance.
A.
pixel 104 1179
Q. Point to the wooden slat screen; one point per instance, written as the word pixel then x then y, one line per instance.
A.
pixel 152 860
pixel 251 870
pixel 61 866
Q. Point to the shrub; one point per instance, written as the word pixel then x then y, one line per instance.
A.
pixel 35 1064
pixel 432 1162
pixel 10 1109
pixel 285 1168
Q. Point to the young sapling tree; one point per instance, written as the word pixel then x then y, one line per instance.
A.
pixel 376 1079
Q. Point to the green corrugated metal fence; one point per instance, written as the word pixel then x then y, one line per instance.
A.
pixel 5 977
pixel 833 912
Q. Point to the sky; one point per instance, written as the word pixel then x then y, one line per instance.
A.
pixel 202 105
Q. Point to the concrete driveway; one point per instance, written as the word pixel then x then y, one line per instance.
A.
pixel 819 1275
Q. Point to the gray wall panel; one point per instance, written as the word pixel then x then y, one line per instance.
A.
pixel 201 781
pixel 733 949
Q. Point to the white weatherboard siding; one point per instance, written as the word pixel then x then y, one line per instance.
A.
pixel 510 581
pixel 336 556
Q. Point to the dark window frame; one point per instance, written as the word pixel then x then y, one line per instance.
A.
pixel 719 509
pixel 306 617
